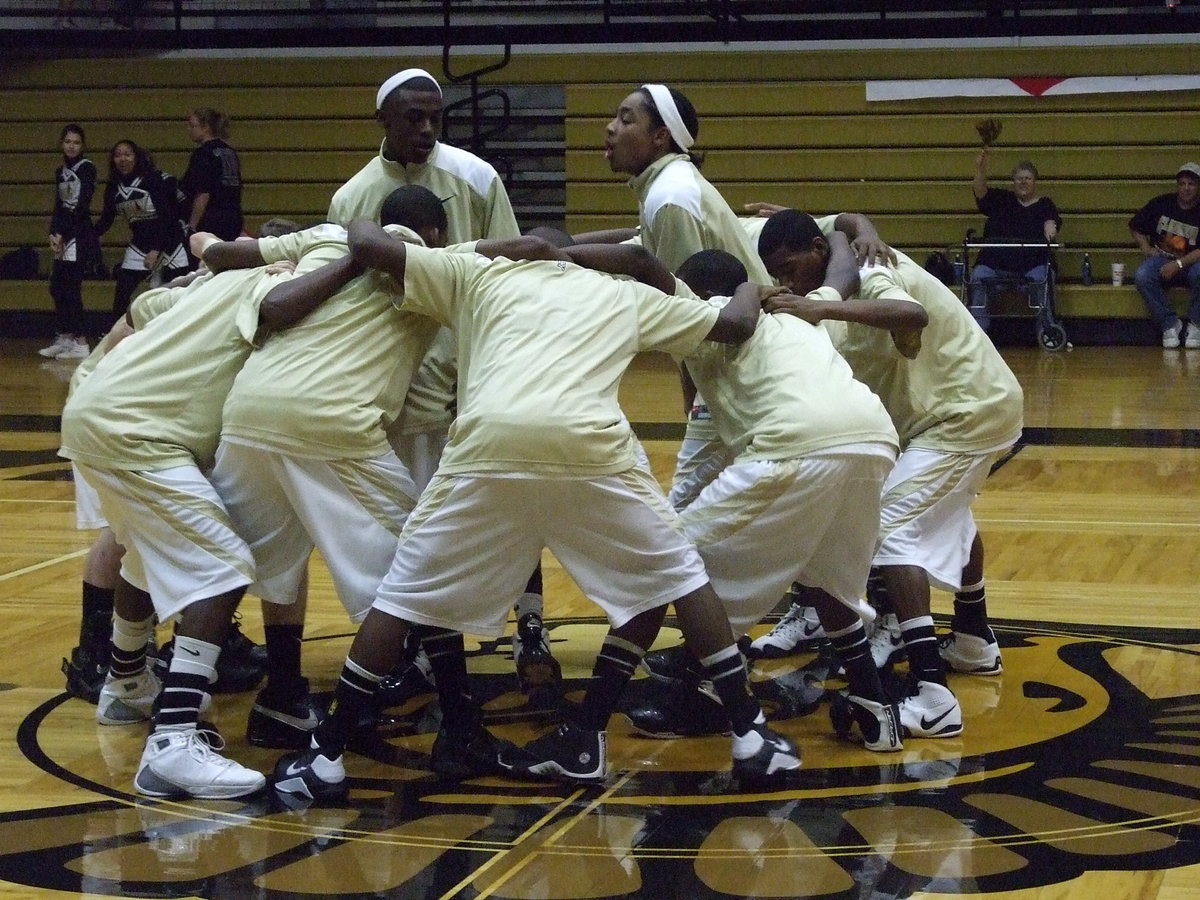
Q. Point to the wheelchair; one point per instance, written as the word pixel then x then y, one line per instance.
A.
pixel 1038 295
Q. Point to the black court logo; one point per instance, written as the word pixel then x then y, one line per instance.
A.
pixel 1077 758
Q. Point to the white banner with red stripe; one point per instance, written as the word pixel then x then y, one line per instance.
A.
pixel 1027 87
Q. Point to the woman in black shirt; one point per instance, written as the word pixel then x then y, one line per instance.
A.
pixel 212 184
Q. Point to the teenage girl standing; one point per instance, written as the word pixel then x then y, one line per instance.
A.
pixel 73 244
pixel 140 193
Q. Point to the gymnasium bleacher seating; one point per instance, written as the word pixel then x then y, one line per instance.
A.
pixel 786 125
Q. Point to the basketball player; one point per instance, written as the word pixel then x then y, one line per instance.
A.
pixel 957 408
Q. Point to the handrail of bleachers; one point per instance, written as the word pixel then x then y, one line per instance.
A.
pixel 474 102
pixel 181 24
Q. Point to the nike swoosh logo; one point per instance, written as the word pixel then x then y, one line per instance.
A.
pixel 926 724
pixel 292 770
pixel 810 630
pixel 190 650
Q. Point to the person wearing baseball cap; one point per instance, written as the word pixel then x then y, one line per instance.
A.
pixel 1167 231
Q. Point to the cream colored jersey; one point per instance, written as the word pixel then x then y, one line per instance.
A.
pixel 326 387
pixel 477 207
pixel 542 347
pixel 86 368
pixel 471 191
pixel 431 394
pixel 682 214
pixel 145 307
pixel 155 302
pixel 957 395
pixel 154 402
pixel 786 393
pixel 753 226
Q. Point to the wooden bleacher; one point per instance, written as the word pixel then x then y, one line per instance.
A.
pixel 792 127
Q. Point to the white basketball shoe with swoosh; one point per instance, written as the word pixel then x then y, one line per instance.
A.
pixel 799 629
pixel 930 710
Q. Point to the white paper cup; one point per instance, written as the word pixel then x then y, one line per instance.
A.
pixel 1118 273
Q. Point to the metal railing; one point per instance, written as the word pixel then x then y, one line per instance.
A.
pixel 299 23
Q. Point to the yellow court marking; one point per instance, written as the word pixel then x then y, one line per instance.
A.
pixel 45 564
pixel 568 823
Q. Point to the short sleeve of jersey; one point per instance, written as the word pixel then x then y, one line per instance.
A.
pixel 683 289
pixel 883 283
pixel 434 281
pixel 675 325
pixel 753 226
pixel 826 294
pixel 707 350
pixel 291 247
pixel 153 303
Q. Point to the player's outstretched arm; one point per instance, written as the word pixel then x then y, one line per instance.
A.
pixel 841 272
pixel 624 259
pixel 606 236
pixel 291 300
pixel 219 255
pixel 739 317
pixel 527 246
pixel 374 248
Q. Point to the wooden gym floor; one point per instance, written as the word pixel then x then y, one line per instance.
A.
pixel 1077 775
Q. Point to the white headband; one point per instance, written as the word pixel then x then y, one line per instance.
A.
pixel 398 79
pixel 669 113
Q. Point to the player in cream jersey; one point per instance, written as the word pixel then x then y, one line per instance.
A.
pixel 408 106
pixel 86 669
pixel 540 456
pixel 799 501
pixel 679 214
pixel 304 461
pixel 956 407
pixel 143 428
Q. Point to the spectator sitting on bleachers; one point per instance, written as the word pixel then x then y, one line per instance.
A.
pixel 1166 231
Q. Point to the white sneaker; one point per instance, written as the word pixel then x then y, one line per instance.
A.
pixel 1171 336
pixel 183 764
pixel 970 655
pixel 126 701
pixel 798 629
pixel 78 349
pixel 887 641
pixel 1191 339
pixel 930 710
pixel 61 342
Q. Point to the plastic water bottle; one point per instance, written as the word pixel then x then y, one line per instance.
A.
pixel 1085 272
pixel 958 268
